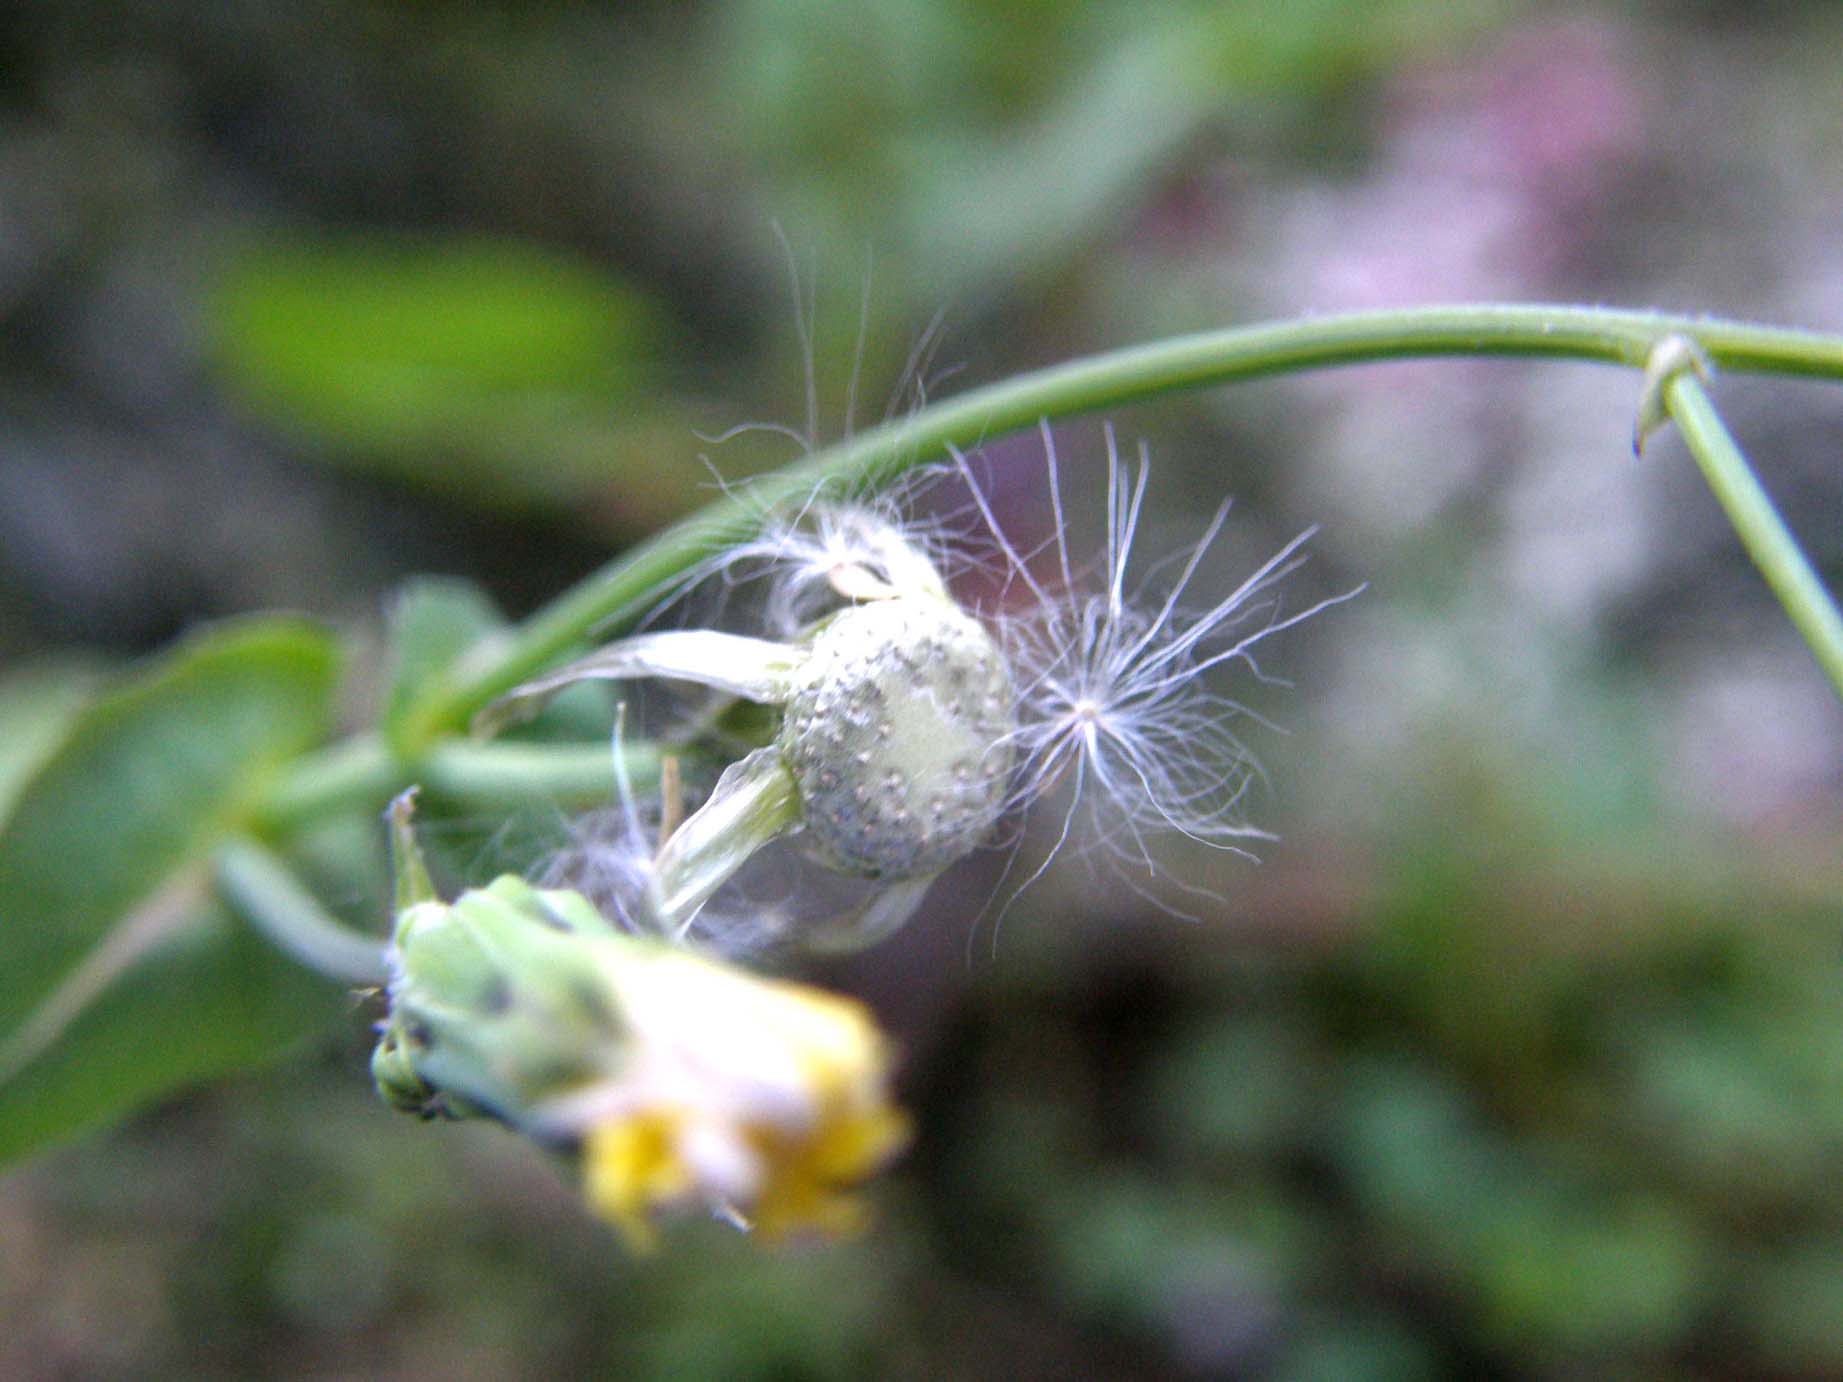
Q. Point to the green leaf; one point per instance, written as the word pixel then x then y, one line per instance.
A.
pixel 122 980
pixel 436 624
pixel 487 366
pixel 208 998
pixel 433 622
pixel 36 703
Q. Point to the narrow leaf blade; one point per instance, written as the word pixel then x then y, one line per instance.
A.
pixel 95 855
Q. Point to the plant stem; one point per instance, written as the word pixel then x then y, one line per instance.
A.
pixel 507 774
pixel 361 775
pixel 355 775
pixel 1761 530
pixel 1594 334
pixel 262 889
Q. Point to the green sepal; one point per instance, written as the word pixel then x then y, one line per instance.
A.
pixel 409 870
pixel 499 1002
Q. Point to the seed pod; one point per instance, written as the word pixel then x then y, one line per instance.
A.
pixel 892 756
pixel 897 735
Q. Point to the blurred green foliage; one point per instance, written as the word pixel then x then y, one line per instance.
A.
pixel 1534 1072
pixel 124 979
pixel 928 128
pixel 1171 1155
pixel 460 359
pixel 36 704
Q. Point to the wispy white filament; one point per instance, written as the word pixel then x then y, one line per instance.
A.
pixel 1112 680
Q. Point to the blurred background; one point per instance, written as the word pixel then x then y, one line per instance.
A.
pixel 1520 1054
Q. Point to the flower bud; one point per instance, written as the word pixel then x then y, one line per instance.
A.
pixel 678 1079
pixel 497 1002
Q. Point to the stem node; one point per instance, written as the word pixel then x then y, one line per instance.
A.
pixel 1671 356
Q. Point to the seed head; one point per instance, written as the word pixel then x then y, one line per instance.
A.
pixel 908 725
pixel 898 737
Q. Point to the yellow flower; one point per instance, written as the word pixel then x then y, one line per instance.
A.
pixel 683 1080
pixel 763 1100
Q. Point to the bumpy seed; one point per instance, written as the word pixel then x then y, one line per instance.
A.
pixel 899 737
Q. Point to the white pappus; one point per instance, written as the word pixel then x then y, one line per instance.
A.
pixel 1112 678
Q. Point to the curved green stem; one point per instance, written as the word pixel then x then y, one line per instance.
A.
pixel 571 775
pixel 1761 530
pixel 357 774
pixel 362 775
pixel 262 889
pixel 1595 334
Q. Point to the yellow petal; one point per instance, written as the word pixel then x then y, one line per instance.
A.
pixel 630 1169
